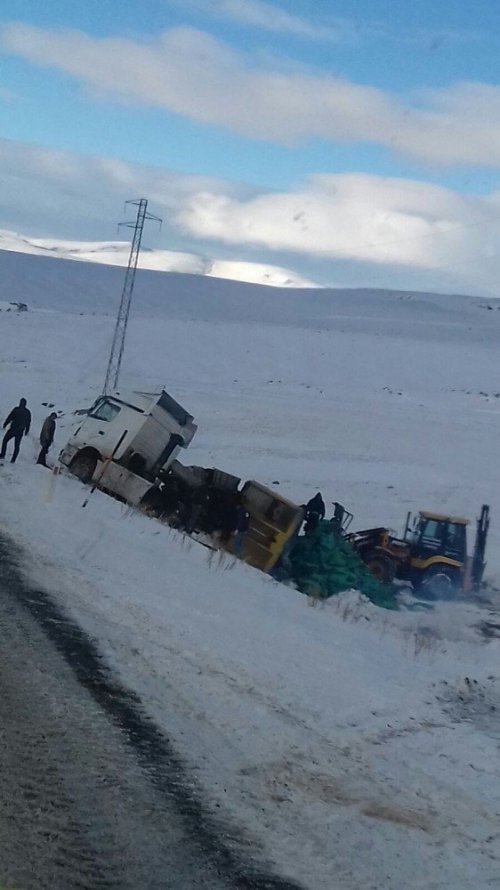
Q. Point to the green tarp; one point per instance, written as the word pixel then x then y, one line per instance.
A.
pixel 322 565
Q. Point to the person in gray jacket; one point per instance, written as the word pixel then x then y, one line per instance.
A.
pixel 47 437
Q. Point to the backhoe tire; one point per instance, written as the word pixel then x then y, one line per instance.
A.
pixel 440 582
pixel 83 466
pixel 381 566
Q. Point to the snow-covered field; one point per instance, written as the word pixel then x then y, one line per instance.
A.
pixel 350 747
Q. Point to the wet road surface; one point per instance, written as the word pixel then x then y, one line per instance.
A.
pixel 92 793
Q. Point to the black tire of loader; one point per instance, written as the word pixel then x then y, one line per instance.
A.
pixel 440 582
pixel 83 466
pixel 381 566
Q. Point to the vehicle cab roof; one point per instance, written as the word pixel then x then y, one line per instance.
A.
pixel 141 401
pixel 441 517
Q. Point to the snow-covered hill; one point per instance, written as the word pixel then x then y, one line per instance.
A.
pixel 116 253
pixel 45 282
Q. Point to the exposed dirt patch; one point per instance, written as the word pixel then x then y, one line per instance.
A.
pixel 408 818
pixel 283 780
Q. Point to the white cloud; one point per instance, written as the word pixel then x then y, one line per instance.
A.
pixel 335 229
pixel 53 193
pixel 322 25
pixel 269 17
pixel 192 74
pixel 366 219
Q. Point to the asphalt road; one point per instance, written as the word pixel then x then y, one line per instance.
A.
pixel 92 793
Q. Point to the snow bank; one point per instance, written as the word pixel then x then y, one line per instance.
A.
pixel 320 724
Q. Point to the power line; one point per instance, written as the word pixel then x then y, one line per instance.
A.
pixel 118 345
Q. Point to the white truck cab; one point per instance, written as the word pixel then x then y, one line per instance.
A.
pixel 128 435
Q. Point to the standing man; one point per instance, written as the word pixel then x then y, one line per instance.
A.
pixel 234 524
pixel 314 511
pixel 18 421
pixel 47 437
pixel 241 523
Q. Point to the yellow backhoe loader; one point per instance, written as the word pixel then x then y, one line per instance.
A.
pixel 432 554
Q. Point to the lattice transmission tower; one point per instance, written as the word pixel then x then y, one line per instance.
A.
pixel 118 345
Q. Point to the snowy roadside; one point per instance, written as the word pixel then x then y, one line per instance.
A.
pixel 344 742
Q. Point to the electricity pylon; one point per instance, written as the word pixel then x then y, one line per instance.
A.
pixel 116 354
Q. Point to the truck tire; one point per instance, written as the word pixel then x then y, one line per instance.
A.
pixel 83 465
pixel 380 565
pixel 440 582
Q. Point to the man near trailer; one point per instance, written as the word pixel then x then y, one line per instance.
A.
pixel 47 437
pixel 234 525
pixel 314 511
pixel 241 523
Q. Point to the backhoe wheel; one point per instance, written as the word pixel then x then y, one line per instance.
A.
pixel 381 566
pixel 83 466
pixel 440 582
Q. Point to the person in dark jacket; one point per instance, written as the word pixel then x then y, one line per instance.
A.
pixel 241 523
pixel 234 524
pixel 47 437
pixel 314 511
pixel 18 421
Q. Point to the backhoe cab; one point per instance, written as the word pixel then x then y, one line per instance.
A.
pixel 432 554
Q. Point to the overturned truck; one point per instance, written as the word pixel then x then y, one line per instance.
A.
pixel 125 440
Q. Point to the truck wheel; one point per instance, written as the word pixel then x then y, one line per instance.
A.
pixel 381 566
pixel 440 583
pixel 83 466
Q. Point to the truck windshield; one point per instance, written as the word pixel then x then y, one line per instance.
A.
pixel 105 410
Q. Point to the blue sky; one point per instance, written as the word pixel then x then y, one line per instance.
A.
pixel 269 108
